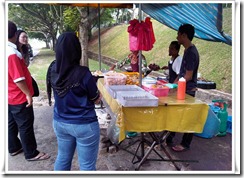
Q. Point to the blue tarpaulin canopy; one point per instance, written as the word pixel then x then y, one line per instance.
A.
pixel 205 17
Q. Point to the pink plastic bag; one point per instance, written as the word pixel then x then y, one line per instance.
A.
pixel 141 35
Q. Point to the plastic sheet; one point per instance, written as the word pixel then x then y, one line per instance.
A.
pixel 211 127
pixel 141 35
pixel 187 115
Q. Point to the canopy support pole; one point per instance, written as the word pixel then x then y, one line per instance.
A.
pixel 99 39
pixel 140 52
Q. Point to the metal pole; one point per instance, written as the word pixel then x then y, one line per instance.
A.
pixel 140 52
pixel 99 40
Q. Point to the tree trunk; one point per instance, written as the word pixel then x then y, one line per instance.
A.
pixel 47 45
pixel 83 36
pixel 87 17
pixel 54 42
pixel 117 16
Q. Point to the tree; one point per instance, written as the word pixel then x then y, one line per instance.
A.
pixel 39 18
pixel 83 20
pixel 48 20
pixel 87 15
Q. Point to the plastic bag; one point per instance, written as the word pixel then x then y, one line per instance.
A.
pixel 113 131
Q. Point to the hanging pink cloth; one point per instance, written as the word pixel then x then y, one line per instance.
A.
pixel 152 37
pixel 141 35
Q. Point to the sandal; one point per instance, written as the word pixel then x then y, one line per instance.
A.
pixel 179 148
pixel 17 152
pixel 39 157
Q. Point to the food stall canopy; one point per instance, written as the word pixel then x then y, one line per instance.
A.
pixel 205 17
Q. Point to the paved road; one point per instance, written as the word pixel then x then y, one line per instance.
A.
pixel 213 154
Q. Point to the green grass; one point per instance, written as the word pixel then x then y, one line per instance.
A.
pixel 215 57
pixel 38 67
pixel 94 65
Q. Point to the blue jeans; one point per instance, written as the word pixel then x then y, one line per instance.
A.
pixel 83 137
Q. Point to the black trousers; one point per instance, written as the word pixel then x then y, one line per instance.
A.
pixel 187 137
pixel 20 121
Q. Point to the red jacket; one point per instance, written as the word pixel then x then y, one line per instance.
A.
pixel 17 71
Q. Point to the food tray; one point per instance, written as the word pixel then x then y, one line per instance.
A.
pixel 132 78
pixel 159 92
pixel 148 81
pixel 137 99
pixel 113 89
pixel 113 78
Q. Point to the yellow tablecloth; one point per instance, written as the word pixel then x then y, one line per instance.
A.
pixel 187 115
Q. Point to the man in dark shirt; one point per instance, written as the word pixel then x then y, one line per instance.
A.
pixel 188 70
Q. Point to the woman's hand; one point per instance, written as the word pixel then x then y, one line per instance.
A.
pixel 112 67
pixel 99 99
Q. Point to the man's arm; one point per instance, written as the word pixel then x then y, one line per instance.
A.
pixel 188 75
pixel 23 87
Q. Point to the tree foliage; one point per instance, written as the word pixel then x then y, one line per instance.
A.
pixel 38 19
pixel 45 21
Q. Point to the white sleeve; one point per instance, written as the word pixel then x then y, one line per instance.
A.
pixel 177 64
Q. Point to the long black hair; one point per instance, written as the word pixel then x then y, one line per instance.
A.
pixel 24 47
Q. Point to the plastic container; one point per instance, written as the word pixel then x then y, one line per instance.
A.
pixel 162 82
pixel 229 124
pixel 114 79
pixel 113 89
pixel 214 108
pixel 136 99
pixel 148 81
pixel 181 91
pixel 159 92
pixel 223 116
pixel 132 78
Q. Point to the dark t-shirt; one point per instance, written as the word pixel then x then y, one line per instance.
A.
pixel 190 62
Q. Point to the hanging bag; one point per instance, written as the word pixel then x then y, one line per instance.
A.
pixel 35 87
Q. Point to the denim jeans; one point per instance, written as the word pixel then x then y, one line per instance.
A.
pixel 83 137
pixel 21 120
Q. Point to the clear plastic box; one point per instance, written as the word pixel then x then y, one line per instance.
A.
pixel 114 79
pixel 113 89
pixel 137 99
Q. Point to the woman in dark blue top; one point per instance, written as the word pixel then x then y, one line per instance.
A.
pixel 75 92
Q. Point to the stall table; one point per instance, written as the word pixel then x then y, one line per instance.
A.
pixel 186 116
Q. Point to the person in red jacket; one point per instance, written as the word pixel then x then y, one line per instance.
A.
pixel 20 109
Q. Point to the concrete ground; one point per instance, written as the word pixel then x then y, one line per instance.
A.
pixel 213 154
